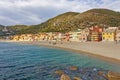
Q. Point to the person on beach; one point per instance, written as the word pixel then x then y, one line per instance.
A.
pixel 116 41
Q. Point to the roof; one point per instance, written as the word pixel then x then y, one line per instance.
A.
pixel 78 30
pixel 95 29
pixel 109 30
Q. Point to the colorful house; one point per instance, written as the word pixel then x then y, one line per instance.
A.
pixel 84 35
pixel 108 35
pixel 67 36
pixel 43 36
pixel 75 35
pixel 24 37
pixel 59 36
pixel 95 33
pixel 115 28
pixel 118 35
pixel 15 38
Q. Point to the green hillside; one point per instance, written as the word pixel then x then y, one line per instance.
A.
pixel 19 29
pixel 1 27
pixel 72 20
pixel 102 17
pixel 60 22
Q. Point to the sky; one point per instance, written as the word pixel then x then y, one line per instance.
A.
pixel 31 12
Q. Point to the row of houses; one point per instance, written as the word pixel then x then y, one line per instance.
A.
pixel 94 33
pixel 39 37
pixel 28 37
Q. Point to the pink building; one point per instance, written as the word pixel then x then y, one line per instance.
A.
pixel 84 35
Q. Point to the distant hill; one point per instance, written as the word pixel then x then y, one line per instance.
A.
pixel 1 27
pixel 72 20
pixel 18 29
pixel 4 31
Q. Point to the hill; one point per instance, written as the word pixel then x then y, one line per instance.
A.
pixel 18 29
pixel 72 20
pixel 1 27
pixel 102 17
pixel 59 23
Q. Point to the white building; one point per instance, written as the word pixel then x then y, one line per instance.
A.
pixel 118 35
pixel 75 35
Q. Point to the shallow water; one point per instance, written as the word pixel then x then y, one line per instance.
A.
pixel 28 62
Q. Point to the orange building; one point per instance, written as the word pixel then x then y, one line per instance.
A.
pixel 95 33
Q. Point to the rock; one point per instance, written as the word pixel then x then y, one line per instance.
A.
pixel 100 73
pixel 77 78
pixel 94 69
pixel 113 75
pixel 103 74
pixel 65 77
pixel 73 68
pixel 59 72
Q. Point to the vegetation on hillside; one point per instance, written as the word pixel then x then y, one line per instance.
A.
pixel 1 27
pixel 72 20
pixel 18 29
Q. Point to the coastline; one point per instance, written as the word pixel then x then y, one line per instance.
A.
pixel 83 48
pixel 107 51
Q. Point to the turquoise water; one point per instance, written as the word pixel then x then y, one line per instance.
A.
pixel 28 62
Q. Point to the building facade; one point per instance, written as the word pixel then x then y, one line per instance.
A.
pixel 108 35
pixel 95 33
pixel 84 35
pixel 118 35
pixel 75 35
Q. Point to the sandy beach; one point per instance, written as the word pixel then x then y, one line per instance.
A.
pixel 109 51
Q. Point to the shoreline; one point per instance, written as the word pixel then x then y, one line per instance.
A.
pixel 100 57
pixel 95 55
pixel 74 48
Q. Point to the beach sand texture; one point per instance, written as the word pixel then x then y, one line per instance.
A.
pixel 103 49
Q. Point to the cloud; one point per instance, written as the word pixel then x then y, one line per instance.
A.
pixel 32 12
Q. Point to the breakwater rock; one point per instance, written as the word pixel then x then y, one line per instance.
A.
pixel 76 73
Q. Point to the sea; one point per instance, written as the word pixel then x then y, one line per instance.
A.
pixel 31 62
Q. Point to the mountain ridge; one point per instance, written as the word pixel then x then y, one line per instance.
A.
pixel 101 17
pixel 73 20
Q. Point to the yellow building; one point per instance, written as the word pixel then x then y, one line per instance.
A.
pixel 15 38
pixel 108 35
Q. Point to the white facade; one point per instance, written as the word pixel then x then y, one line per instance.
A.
pixel 75 35
pixel 118 35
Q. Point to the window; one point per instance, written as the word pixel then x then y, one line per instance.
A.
pixel 103 37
